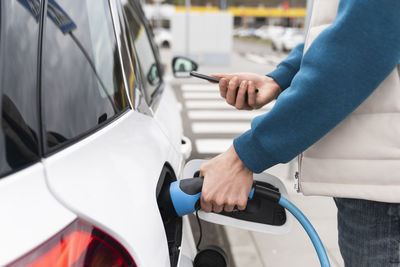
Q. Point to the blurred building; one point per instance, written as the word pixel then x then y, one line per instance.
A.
pixel 248 13
pixel 194 33
pixel 236 3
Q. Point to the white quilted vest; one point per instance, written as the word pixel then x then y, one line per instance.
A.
pixel 360 157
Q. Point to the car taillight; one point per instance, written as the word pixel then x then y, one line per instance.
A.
pixel 79 244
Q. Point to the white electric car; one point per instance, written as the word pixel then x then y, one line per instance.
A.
pixel 90 135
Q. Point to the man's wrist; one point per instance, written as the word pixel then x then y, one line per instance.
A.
pixel 252 153
pixel 282 76
pixel 273 84
pixel 235 157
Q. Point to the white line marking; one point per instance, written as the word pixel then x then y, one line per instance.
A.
pixel 212 146
pixel 224 114
pixel 206 104
pixel 260 59
pixel 220 127
pixel 256 58
pixel 200 87
pixel 204 95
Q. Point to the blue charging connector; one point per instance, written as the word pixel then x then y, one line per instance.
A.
pixel 185 195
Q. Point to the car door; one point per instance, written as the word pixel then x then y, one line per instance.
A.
pixel 153 97
pixel 155 91
pixel 102 159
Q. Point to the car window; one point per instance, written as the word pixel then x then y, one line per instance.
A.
pixel 82 84
pixel 19 31
pixel 139 37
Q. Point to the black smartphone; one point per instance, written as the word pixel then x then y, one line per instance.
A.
pixel 208 78
pixel 204 77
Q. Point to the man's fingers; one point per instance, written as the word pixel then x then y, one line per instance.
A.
pixel 241 95
pixel 242 203
pixel 251 93
pixel 231 93
pixel 217 206
pixel 229 206
pixel 205 203
pixel 223 87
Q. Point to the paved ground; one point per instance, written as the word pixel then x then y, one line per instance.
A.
pixel 211 124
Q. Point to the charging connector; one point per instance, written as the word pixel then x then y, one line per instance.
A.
pixel 266 193
pixel 185 194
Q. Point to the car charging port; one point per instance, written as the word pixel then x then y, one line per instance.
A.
pixel 172 222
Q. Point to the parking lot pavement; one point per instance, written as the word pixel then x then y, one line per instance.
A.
pixel 294 248
pixel 209 121
pixel 212 124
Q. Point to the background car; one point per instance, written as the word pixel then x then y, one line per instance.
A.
pixel 288 40
pixel 269 32
pixel 90 137
pixel 244 32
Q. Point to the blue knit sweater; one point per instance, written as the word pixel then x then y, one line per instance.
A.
pixel 342 67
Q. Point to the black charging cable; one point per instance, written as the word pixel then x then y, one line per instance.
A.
pixel 200 229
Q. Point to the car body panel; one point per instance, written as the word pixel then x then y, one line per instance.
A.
pixel 169 119
pixel 110 179
pixel 107 177
pixel 188 247
pixel 30 214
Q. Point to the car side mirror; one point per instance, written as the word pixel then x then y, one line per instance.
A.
pixel 182 66
pixel 153 76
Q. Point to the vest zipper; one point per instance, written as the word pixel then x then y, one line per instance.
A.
pixel 297 174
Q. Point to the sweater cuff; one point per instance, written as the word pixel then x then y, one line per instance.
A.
pixel 282 76
pixel 248 150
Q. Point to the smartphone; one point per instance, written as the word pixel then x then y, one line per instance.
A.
pixel 208 78
pixel 204 77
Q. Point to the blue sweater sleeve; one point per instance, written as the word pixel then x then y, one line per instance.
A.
pixel 342 67
pixel 287 69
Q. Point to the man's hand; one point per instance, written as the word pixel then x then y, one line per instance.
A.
pixel 268 89
pixel 227 182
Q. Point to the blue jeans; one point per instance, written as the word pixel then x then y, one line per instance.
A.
pixel 369 233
